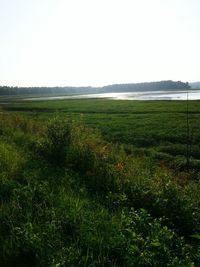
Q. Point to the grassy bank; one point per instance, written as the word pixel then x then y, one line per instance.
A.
pixel 72 197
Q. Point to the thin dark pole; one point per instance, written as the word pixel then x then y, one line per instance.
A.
pixel 188 132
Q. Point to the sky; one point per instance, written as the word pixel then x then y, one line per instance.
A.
pixel 98 42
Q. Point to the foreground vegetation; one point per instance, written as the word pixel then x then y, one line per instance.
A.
pixel 70 197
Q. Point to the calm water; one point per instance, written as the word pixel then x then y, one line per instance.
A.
pixel 153 95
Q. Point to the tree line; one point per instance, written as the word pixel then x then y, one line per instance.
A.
pixel 130 87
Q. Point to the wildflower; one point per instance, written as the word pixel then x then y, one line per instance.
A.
pixel 119 166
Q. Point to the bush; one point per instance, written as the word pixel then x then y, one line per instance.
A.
pixel 148 243
pixel 55 143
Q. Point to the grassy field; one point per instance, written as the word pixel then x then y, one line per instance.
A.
pixel 158 127
pixel 99 183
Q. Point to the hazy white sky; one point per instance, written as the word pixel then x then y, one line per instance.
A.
pixel 98 42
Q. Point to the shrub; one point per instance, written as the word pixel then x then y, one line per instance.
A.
pixel 55 143
pixel 148 243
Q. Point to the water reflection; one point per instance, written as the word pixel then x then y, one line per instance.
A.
pixel 153 95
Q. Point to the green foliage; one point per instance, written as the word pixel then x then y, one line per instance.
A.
pixel 151 244
pixel 11 161
pixel 54 145
pixel 70 198
pixel 156 126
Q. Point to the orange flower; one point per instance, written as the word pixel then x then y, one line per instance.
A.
pixel 119 166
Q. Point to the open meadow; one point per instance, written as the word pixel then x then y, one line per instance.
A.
pixel 156 127
pixel 99 183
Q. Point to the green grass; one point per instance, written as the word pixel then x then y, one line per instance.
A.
pixel 106 188
pixel 159 127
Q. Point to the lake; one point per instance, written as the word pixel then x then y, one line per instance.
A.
pixel 150 95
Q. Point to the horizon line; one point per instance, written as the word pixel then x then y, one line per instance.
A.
pixel 92 86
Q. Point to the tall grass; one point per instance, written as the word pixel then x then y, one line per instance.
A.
pixel 70 198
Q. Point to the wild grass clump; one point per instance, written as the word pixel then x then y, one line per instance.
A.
pixel 11 161
pixel 55 142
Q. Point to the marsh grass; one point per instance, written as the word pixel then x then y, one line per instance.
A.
pixel 70 198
